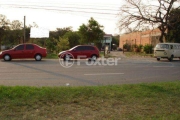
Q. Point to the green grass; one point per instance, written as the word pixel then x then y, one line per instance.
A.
pixel 52 56
pixel 153 101
pixel 137 54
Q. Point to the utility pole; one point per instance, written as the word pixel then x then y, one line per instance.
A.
pixel 24 29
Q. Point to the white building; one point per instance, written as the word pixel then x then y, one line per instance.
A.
pixel 107 40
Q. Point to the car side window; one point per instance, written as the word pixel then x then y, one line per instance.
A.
pixel 175 47
pixel 171 46
pixel 20 47
pixel 79 48
pixel 89 48
pixel 29 47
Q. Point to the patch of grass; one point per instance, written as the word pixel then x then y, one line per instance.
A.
pixel 137 54
pixel 133 102
pixel 52 56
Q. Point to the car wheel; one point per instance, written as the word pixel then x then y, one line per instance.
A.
pixel 38 57
pixel 93 58
pixel 7 57
pixel 67 57
pixel 158 59
pixel 171 58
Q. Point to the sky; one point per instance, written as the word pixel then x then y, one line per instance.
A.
pixel 52 14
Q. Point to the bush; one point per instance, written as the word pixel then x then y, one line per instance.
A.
pixel 134 46
pixel 127 47
pixel 148 49
pixel 137 48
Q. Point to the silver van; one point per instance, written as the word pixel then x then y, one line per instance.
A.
pixel 167 50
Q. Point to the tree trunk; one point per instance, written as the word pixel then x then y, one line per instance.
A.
pixel 161 38
pixel 163 34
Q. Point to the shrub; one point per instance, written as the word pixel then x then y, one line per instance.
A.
pixel 127 46
pixel 134 46
pixel 148 49
pixel 139 47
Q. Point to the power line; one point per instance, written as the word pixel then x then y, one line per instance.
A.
pixel 67 3
pixel 85 8
pixel 82 11
pixel 64 10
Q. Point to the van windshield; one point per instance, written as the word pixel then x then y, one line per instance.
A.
pixel 162 46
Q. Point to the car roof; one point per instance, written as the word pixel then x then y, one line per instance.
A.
pixel 26 44
pixel 86 45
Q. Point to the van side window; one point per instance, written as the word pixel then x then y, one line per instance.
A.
pixel 171 46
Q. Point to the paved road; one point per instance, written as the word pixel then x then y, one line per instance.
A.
pixel 50 73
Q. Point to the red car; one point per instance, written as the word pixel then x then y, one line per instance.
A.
pixel 80 52
pixel 24 51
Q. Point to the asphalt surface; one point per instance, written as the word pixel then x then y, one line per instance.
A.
pixel 50 72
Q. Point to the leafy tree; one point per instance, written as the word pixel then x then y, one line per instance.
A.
pixel 16 25
pixel 4 22
pixel 63 44
pixel 12 37
pixel 115 42
pixel 73 38
pixel 51 44
pixel 91 33
pixel 173 34
pixel 142 13
pixel 60 32
pixel 14 34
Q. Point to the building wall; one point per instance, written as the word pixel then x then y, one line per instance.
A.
pixel 131 38
pixel 140 38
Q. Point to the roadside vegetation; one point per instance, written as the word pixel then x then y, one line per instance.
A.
pixel 151 101
pixel 138 50
pixel 137 54
pixel 52 56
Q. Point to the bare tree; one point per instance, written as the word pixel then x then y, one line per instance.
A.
pixel 16 25
pixel 137 14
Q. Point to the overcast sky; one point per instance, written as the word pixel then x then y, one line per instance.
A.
pixel 52 14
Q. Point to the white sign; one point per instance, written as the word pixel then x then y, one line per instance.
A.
pixel 39 33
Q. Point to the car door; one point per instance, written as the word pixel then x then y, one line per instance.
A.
pixel 18 52
pixel 29 51
pixel 78 52
pixel 90 50
pixel 171 50
pixel 86 51
pixel 177 50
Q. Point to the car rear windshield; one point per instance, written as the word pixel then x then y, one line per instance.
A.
pixel 162 46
